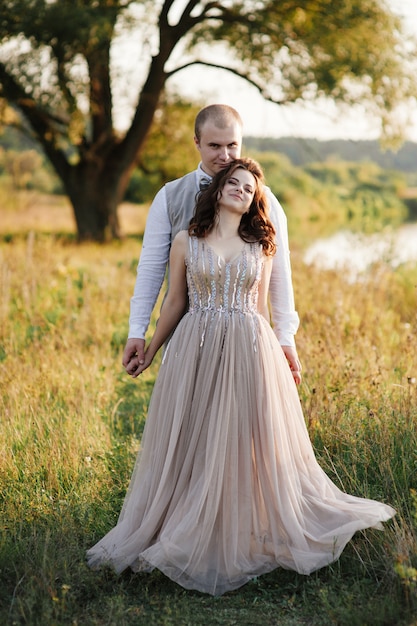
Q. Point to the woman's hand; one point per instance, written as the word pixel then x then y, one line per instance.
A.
pixel 136 367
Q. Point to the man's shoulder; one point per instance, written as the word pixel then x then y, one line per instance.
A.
pixel 180 181
pixel 180 197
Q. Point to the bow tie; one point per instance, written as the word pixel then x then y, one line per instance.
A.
pixel 204 183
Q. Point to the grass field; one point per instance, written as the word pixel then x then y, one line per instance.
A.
pixel 71 420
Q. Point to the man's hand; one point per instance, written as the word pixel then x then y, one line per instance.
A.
pixel 294 362
pixel 134 356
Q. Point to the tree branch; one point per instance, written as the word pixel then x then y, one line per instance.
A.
pixel 41 121
pixel 243 75
pixel 166 7
pixel 186 22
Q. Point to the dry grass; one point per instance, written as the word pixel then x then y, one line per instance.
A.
pixel 24 211
pixel 71 419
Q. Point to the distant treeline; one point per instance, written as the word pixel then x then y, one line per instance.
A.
pixel 324 186
pixel 302 151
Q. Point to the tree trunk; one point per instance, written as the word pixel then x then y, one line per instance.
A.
pixel 95 215
pixel 95 196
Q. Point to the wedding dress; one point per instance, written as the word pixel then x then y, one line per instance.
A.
pixel 226 485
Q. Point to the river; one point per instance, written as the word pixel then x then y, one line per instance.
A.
pixel 356 253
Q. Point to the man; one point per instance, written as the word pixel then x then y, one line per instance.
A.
pixel 218 138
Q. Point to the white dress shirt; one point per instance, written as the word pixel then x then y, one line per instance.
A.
pixel 155 255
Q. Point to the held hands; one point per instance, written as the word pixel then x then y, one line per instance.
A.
pixel 135 367
pixel 135 358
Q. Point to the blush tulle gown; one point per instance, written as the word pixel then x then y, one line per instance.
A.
pixel 226 485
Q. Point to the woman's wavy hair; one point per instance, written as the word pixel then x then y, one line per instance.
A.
pixel 255 225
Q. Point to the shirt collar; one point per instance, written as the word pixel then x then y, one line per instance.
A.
pixel 201 175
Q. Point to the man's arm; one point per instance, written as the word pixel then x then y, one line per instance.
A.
pixel 150 275
pixel 284 316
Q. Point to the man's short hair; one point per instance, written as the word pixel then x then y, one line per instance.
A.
pixel 221 115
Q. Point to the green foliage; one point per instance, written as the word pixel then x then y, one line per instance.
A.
pixel 337 49
pixel 406 566
pixel 27 170
pixel 368 194
pixel 168 152
pixel 303 151
pixel 321 198
pixel 60 69
pixel 142 187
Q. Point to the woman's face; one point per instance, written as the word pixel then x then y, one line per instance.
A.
pixel 238 191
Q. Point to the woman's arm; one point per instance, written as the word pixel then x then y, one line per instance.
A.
pixel 175 303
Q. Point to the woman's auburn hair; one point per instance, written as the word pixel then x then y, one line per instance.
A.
pixel 254 225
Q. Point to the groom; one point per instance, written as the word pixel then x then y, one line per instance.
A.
pixel 218 138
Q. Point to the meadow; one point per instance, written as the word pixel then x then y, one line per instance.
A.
pixel 71 422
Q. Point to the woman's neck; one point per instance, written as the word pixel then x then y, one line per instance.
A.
pixel 226 227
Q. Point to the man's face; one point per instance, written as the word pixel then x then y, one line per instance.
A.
pixel 218 146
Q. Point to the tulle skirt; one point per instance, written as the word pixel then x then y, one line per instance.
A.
pixel 226 486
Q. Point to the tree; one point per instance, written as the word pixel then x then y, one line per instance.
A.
pixel 57 69
pixel 168 152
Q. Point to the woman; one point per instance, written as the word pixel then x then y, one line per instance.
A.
pixel 226 486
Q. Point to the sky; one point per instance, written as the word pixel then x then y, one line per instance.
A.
pixel 264 119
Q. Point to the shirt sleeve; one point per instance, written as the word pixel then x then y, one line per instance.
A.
pixel 284 316
pixel 151 267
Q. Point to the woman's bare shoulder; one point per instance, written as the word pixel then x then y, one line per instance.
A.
pixel 180 241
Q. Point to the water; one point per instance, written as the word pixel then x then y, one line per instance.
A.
pixel 356 253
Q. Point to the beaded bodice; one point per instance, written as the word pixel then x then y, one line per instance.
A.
pixel 217 285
